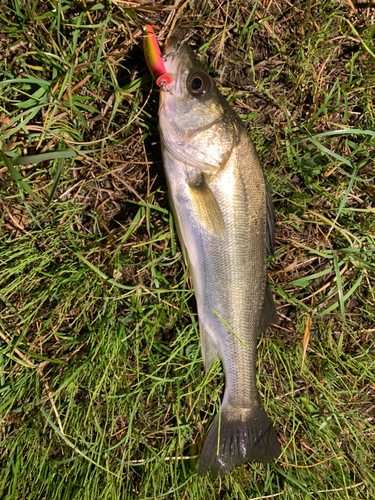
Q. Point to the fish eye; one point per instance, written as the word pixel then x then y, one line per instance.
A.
pixel 199 83
pixel 196 84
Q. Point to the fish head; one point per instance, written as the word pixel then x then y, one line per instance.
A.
pixel 194 121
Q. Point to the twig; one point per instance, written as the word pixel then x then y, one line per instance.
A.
pixel 339 489
pixel 166 459
pixel 306 336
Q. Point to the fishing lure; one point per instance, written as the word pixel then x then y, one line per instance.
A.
pixel 154 58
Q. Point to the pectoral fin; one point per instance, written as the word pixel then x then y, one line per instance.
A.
pixel 206 206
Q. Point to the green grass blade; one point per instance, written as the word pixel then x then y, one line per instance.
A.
pixel 17 177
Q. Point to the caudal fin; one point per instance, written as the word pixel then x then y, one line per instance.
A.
pixel 245 435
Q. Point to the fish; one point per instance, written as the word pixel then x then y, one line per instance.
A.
pixel 224 216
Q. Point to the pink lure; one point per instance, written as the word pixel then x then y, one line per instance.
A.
pixel 154 59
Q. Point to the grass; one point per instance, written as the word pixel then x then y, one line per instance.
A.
pixel 103 393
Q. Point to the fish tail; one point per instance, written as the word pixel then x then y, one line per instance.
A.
pixel 245 435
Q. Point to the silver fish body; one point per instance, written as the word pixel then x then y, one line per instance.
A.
pixel 225 222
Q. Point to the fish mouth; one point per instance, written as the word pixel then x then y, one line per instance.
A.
pixel 170 81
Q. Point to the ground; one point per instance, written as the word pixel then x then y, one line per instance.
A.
pixel 103 392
